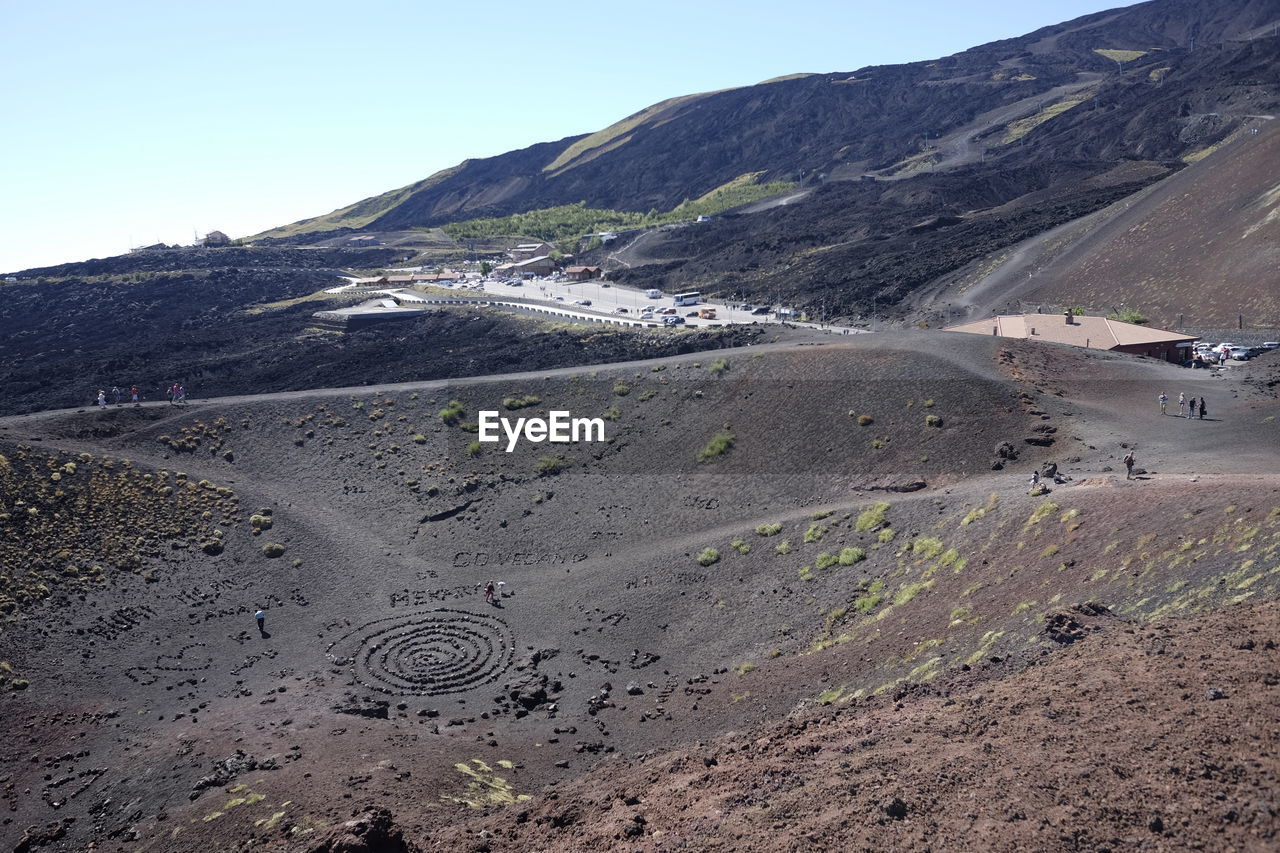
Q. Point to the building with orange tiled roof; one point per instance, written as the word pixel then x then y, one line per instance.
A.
pixel 1085 331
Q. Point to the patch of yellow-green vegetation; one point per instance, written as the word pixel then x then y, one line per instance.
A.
pixel 744 668
pixel 783 547
pixel 872 597
pixel 452 413
pixel 972 588
pixel 269 822
pixel 927 670
pixel 1040 513
pixel 805 573
pixel 926 547
pixel 1241 577
pixel 1021 127
pixel 359 214
pixel 9 679
pixel 920 648
pixel 980 511
pixel 740 546
pixel 523 401
pixel 717 446
pixel 1070 519
pixel 962 615
pixel 212 816
pixel 985 645
pixel 719 366
pixel 872 517
pixel 1049 551
pixel 589 147
pixel 850 556
pixel 831 695
pixel 1119 55
pixel 1157 74
pixel 1023 607
pixel 865 420
pixel 915 163
pixel 708 557
pixel 768 529
pixel 1098 575
pixel 97 515
pixel 886 536
pixel 826 561
pixel 484 787
pixel 909 591
pixel 814 533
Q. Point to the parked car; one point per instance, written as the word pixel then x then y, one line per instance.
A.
pixel 1240 354
pixel 559 299
pixel 582 302
pixel 619 310
pixel 692 314
pixel 667 311
pixel 1270 345
pixel 762 309
pixel 673 321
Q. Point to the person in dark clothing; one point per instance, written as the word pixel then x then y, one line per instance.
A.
pixel 1202 408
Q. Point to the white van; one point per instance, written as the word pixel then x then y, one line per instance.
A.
pixel 653 293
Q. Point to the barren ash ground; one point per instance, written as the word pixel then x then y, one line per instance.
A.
pixel 799 599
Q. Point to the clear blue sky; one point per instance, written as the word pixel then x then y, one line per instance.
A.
pixel 134 122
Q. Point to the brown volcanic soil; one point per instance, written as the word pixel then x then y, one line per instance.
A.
pixel 1214 225
pixel 612 639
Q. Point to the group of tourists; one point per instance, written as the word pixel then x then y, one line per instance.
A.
pixel 1187 408
pixel 176 394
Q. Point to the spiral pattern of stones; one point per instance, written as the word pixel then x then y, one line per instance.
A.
pixel 426 653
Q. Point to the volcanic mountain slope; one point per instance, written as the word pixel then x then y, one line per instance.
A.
pixel 1199 248
pixel 770 529
pixel 802 126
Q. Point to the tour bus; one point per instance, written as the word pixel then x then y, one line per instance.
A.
pixel 693 297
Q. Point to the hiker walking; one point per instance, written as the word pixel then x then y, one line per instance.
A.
pixel 1128 465
pixel 1182 405
pixel 1191 408
pixel 1035 480
pixel 490 592
pixel 262 621
pixel 102 398
pixel 1202 408
pixel 1164 400
pixel 115 394
pixel 173 394
pixel 133 395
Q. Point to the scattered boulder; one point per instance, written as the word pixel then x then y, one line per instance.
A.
pixel 376 709
pixel 895 808
pixel 228 769
pixel 373 831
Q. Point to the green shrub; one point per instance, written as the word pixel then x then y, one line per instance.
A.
pixel 718 366
pixel 473 449
pixel 932 421
pixel 871 517
pixel 273 549
pixel 719 445
pixel 886 535
pixel 784 547
pixel 814 533
pixel 622 389
pixel 549 466
pixel 419 438
pixel 865 420
pixel 826 561
pixel 768 529
pixel 452 413
pixel 709 556
pixel 613 414
pixel 927 547
pixel 849 556
pixel 522 402
pixel 260 522
pixel 740 546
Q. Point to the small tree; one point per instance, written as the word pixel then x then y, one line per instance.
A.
pixel 485 268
